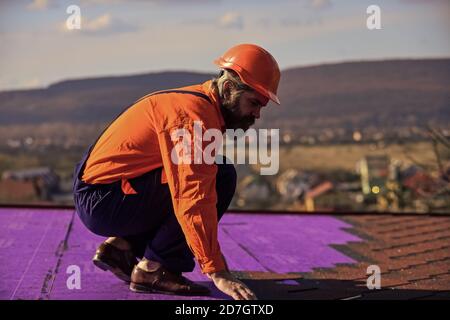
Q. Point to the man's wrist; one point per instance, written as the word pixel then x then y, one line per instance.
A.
pixel 218 274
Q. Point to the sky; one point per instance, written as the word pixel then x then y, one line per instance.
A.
pixel 119 37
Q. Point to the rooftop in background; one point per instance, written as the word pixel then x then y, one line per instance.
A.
pixel 280 256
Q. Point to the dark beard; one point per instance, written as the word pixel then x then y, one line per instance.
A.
pixel 232 117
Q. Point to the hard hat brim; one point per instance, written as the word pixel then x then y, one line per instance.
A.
pixel 246 79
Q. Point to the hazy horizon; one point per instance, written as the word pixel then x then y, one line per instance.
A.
pixel 212 71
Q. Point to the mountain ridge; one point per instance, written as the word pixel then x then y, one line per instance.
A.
pixel 382 93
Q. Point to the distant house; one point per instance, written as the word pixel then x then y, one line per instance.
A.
pixel 315 192
pixel 254 192
pixel 374 171
pixel 419 182
pixel 43 180
pixel 12 191
pixel 292 184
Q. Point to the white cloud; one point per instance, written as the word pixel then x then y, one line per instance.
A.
pixel 103 25
pixel 99 2
pixel 319 4
pixel 38 5
pixel 32 83
pixel 231 20
pixel 159 2
pixel 306 21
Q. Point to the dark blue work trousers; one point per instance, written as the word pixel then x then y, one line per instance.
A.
pixel 146 219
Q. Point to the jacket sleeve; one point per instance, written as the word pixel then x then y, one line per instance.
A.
pixel 193 190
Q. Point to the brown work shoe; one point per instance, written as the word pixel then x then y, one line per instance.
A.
pixel 163 281
pixel 119 262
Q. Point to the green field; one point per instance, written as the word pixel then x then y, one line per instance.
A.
pixel 329 158
pixel 320 158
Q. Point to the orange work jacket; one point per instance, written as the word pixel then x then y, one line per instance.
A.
pixel 140 140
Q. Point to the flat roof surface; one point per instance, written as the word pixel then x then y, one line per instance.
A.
pixel 279 256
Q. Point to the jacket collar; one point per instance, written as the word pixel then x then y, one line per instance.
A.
pixel 208 89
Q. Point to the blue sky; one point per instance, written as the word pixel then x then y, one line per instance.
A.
pixel 128 37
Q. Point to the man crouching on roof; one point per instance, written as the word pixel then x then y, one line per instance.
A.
pixel 127 187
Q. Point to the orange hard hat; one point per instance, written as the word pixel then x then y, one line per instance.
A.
pixel 256 67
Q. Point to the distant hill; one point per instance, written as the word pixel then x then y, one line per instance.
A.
pixel 86 100
pixel 355 94
pixel 359 94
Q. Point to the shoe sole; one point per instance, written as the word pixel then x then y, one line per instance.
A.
pixel 113 269
pixel 139 288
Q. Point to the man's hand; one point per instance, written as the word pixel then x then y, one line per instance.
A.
pixel 228 284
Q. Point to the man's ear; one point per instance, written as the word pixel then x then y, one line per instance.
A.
pixel 227 89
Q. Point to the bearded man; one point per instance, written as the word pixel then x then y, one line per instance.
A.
pixel 160 214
